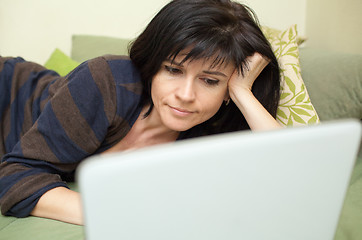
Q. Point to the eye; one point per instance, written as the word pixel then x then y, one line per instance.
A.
pixel 173 70
pixel 211 82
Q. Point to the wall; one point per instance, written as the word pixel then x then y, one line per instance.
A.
pixel 335 25
pixel 280 13
pixel 34 28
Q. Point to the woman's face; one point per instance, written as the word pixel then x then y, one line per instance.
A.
pixel 190 93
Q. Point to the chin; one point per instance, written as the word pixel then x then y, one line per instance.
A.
pixel 179 126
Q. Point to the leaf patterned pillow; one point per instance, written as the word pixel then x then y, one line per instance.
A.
pixel 295 107
pixel 273 32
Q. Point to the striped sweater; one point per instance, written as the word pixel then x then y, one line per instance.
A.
pixel 48 123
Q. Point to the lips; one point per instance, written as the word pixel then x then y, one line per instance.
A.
pixel 181 111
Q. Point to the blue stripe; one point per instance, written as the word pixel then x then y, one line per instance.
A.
pixel 88 99
pixel 7 182
pixel 36 108
pixel 17 111
pixel 126 108
pixel 6 76
pixel 128 73
pixel 57 139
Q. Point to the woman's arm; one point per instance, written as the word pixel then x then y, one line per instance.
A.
pixel 72 121
pixel 240 92
pixel 60 204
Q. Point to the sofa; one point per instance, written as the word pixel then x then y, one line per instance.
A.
pixel 334 84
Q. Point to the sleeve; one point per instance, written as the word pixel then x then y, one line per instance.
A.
pixel 72 126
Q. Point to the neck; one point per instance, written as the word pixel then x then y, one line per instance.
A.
pixel 145 132
pixel 152 127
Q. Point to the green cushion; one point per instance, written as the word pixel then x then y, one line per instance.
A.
pixel 334 82
pixel 60 63
pixel 350 221
pixel 38 228
pixel 85 47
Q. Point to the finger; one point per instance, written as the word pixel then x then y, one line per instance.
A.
pixel 258 60
pixel 255 64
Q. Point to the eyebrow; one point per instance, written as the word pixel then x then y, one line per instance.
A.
pixel 174 62
pixel 206 71
pixel 215 73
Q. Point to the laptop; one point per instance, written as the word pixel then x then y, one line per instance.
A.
pixel 284 184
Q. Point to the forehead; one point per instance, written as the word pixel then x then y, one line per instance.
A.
pixel 215 61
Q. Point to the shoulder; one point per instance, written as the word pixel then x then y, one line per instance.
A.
pixel 115 78
pixel 113 71
pixel 119 65
pixel 119 69
pixel 128 84
pixel 122 68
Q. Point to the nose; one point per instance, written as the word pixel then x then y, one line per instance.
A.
pixel 186 91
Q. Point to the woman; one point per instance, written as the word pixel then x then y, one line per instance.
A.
pixel 200 67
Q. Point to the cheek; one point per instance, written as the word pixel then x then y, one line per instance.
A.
pixel 156 90
pixel 162 86
pixel 212 102
pixel 153 92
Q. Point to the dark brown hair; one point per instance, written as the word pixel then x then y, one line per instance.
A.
pixel 221 28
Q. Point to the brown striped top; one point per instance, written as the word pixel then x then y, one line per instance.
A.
pixel 48 123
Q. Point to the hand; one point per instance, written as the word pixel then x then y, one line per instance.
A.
pixel 240 92
pixel 255 65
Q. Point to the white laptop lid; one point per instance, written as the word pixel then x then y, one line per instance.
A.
pixel 284 184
